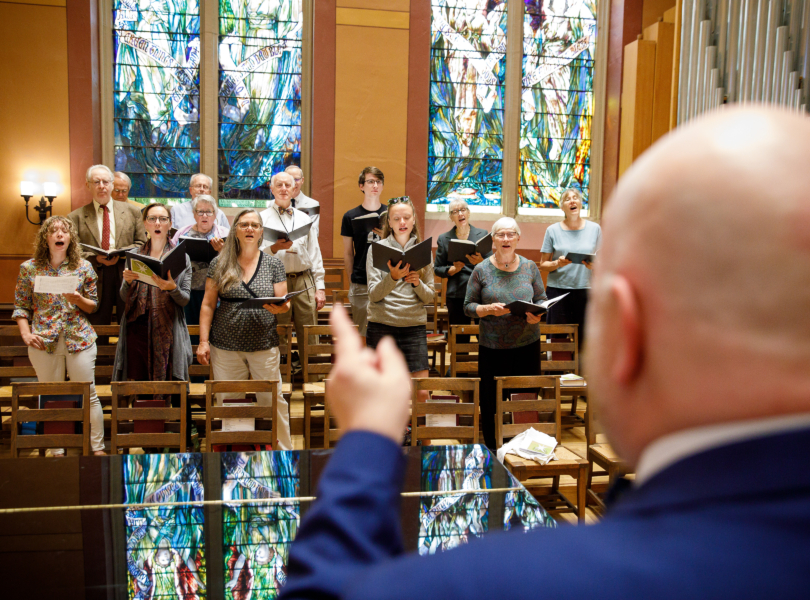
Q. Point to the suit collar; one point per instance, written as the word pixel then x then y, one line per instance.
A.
pixel 90 220
pixel 773 464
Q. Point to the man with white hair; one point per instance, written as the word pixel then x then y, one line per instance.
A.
pixel 121 186
pixel 701 368
pixel 183 214
pixel 107 225
pixel 302 257
pixel 303 202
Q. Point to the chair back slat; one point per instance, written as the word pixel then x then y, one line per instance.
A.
pixel 124 389
pixel 58 440
pixel 216 412
pixel 466 388
pixel 545 386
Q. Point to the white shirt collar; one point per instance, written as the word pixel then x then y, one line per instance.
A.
pixel 97 205
pixel 674 447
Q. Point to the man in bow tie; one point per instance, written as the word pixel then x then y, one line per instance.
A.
pixel 303 202
pixel 301 257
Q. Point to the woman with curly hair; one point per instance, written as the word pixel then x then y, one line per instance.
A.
pixel 55 326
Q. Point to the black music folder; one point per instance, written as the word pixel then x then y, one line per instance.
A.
pixel 174 261
pixel 459 249
pixel 199 249
pixel 108 254
pixel 260 302
pixel 272 235
pixel 520 307
pixel 578 258
pixel 417 256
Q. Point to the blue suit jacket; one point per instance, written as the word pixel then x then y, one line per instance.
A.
pixel 733 522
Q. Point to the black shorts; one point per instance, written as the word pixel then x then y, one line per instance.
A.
pixel 411 341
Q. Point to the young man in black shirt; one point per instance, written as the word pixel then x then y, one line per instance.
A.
pixel 358 230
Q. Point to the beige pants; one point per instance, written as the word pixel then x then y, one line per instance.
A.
pixel 303 308
pixel 237 366
pixel 81 366
pixel 358 299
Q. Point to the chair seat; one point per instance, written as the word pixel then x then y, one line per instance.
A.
pixel 565 462
pixel 315 389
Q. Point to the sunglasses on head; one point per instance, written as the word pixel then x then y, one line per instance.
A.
pixel 399 199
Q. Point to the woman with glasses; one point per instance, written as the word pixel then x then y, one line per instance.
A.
pixel 153 342
pixel 243 343
pixel 509 345
pixel 205 227
pixel 397 298
pixel 572 234
pixel 458 273
pixel 55 327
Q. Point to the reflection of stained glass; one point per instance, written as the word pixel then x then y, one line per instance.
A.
pixel 559 39
pixel 449 521
pixel 259 95
pixel 165 545
pixel 156 56
pixel 257 537
pixel 521 509
pixel 467 73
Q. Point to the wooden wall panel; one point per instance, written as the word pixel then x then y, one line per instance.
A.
pixel 663 34
pixel 637 99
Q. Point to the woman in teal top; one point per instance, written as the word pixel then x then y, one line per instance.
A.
pixel 509 345
pixel 572 234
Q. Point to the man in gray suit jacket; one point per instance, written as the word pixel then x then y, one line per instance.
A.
pixel 124 228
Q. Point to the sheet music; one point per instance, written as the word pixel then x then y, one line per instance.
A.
pixel 56 285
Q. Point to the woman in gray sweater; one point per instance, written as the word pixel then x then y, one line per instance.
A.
pixel 397 298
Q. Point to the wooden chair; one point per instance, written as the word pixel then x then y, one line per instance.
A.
pixel 463 357
pixel 40 442
pixel 562 341
pixel 330 433
pixel 600 453
pixel 341 297
pixel 334 279
pixel 466 386
pixel 566 462
pixel 285 350
pixel 214 412
pixel 148 440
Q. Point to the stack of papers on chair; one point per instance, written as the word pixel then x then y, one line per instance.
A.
pixel 532 445
pixel 571 380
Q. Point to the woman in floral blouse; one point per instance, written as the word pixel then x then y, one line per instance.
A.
pixel 55 326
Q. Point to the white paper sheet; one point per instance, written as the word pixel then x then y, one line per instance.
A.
pixel 56 285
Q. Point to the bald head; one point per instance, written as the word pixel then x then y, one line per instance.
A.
pixel 703 282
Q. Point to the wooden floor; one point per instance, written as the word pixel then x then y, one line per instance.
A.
pixel 573 438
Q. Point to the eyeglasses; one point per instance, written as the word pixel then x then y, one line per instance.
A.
pixel 157 219
pixel 505 235
pixel 402 199
pixel 205 213
pixel 101 182
pixel 453 213
pixel 373 182
pixel 298 179
pixel 246 226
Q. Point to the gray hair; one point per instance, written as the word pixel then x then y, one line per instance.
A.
pixel 124 176
pixel 569 192
pixel 296 168
pixel 103 168
pixel 505 223
pixel 196 175
pixel 282 173
pixel 456 202
pixel 204 198
pixel 228 272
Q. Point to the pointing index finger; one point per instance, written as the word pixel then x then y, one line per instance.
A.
pixel 347 340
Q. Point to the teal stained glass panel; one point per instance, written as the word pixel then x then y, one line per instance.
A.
pixel 559 38
pixel 257 537
pixel 156 79
pixel 259 96
pixel 165 544
pixel 467 76
pixel 447 521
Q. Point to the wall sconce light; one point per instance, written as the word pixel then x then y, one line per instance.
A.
pixel 45 209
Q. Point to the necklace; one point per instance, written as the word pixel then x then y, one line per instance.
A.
pixel 506 264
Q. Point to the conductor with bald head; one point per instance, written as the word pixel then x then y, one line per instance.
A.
pixel 699 361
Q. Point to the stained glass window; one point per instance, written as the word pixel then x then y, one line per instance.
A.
pixel 259 96
pixel 448 521
pixel 559 38
pixel 467 76
pixel 165 544
pixel 156 58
